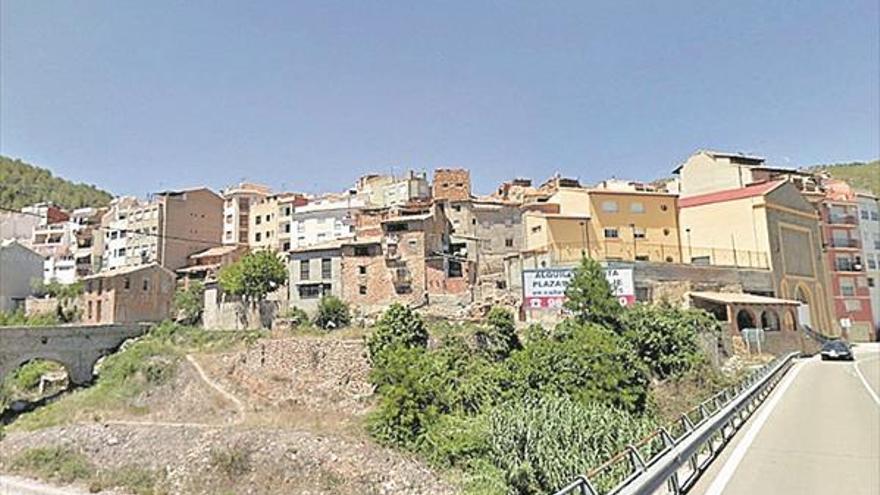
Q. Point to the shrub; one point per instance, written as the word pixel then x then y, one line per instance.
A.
pixel 297 316
pixel 589 296
pixel 54 463
pixel 591 364
pixel 666 338
pixel 398 326
pixel 332 313
pixel 28 377
pixel 189 303
pixel 540 443
pixel 499 338
pixel 233 462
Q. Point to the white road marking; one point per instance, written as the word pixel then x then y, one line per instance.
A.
pixel 726 472
pixel 865 382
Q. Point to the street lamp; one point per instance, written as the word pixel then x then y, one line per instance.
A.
pixel 585 249
pixel 635 249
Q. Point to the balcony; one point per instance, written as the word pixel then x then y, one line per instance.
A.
pixel 837 219
pixel 844 243
pixel 848 266
pixel 390 245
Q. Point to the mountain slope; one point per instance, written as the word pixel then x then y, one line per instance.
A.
pixel 860 175
pixel 22 184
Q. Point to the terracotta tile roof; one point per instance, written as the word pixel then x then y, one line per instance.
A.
pixel 750 191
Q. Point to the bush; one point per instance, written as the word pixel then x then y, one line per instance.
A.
pixel 540 443
pixel 666 338
pixel 28 377
pixel 297 316
pixel 499 338
pixel 592 364
pixel 332 313
pixel 233 462
pixel 398 326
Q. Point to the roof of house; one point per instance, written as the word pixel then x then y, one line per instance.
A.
pixel 323 246
pixel 216 251
pixel 749 191
pixel 406 218
pixel 740 298
pixel 127 271
pixel 759 160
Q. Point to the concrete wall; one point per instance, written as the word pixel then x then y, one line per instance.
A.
pixel 225 312
pixel 19 266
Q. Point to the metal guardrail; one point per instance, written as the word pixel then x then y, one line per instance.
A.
pixel 673 457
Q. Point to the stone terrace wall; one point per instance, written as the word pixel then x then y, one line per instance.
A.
pixel 314 373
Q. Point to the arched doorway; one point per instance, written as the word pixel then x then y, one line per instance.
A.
pixel 744 319
pixel 770 320
pixel 804 313
pixel 788 320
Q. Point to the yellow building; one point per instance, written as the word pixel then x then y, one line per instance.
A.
pixel 269 222
pixel 774 221
pixel 624 223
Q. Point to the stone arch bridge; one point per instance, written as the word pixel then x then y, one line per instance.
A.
pixel 76 347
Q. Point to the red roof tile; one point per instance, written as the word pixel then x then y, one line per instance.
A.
pixel 752 190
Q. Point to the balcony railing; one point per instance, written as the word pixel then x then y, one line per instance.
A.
pixel 848 266
pixel 844 243
pixel 838 219
pixel 660 253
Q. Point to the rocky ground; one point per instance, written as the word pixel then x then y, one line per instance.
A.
pixel 293 425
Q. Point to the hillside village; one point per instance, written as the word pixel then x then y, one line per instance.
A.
pixel 758 246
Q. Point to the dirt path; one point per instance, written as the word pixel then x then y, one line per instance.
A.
pixel 13 485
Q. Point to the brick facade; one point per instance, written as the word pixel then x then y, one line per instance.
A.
pixel 451 184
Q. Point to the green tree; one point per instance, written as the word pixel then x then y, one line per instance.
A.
pixel 189 303
pixel 398 326
pixel 666 338
pixel 23 184
pixel 589 296
pixel 498 339
pixel 254 276
pixel 332 313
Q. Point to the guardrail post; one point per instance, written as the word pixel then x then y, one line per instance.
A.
pixel 637 460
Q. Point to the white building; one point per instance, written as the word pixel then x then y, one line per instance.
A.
pixel 869 226
pixel 382 191
pixel 324 219
pixel 20 266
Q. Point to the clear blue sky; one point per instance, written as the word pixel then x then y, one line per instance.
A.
pixel 134 96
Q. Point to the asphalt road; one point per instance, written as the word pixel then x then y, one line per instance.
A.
pixel 818 433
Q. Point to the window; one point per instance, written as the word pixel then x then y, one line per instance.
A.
pixel 146 284
pixel 397 227
pixel 326 268
pixel 863 214
pixel 303 269
pixel 285 246
pixel 663 207
pixel 642 257
pixel 311 291
pixel 637 207
pixel 847 287
pixel 665 231
pixel 639 232
pixel 454 269
pixel 362 290
pixel 609 206
pixel 870 282
pixel 456 207
pixel 536 229
pixel 268 217
pixel 258 220
pixel 508 242
pixel 286 228
pixel 643 294
pixel 611 234
pixel 362 270
pixel 872 263
pixel 258 237
pixel 127 283
pixel 361 250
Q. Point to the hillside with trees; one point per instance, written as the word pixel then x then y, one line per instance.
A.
pixel 23 184
pixel 861 175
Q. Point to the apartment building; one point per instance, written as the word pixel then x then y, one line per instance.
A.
pixel 167 229
pixel 383 191
pixel 237 201
pixel 314 272
pixel 613 221
pixel 325 219
pixel 17 226
pixel 271 221
pixel 405 259
pixel 869 226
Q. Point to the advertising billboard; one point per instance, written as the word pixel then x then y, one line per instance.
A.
pixel 544 288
